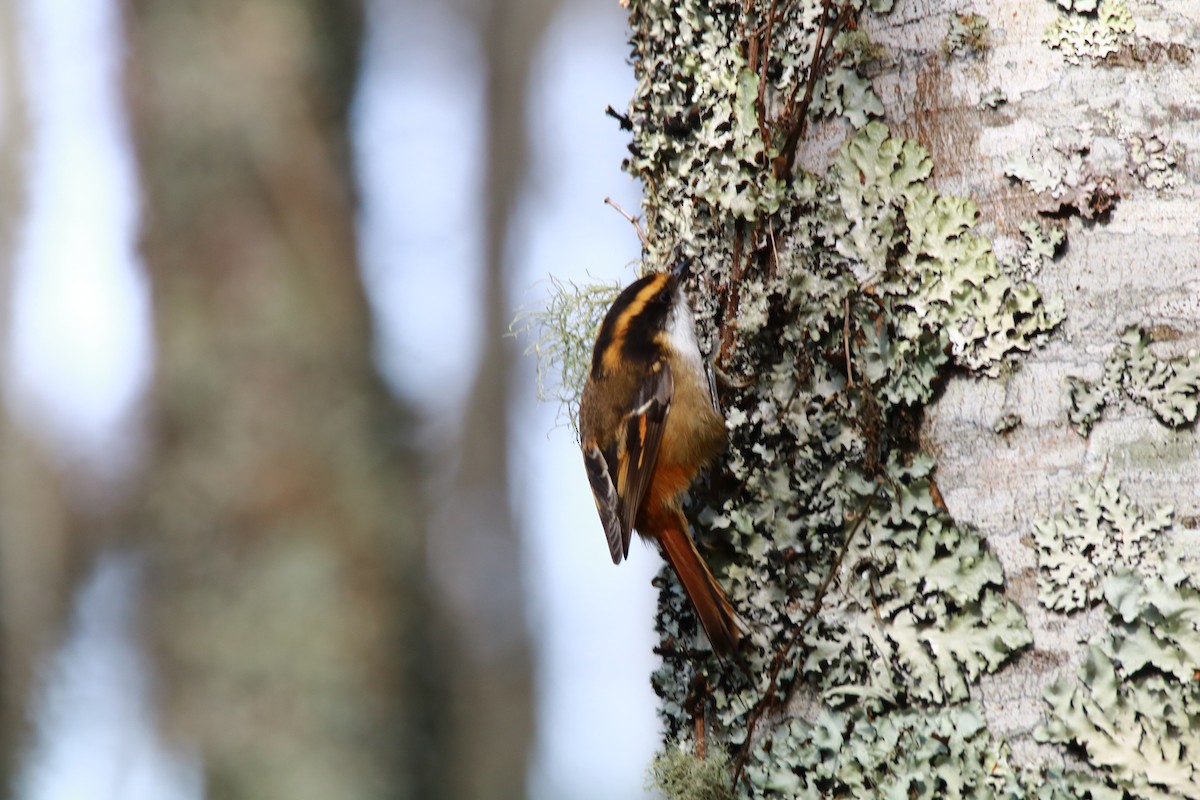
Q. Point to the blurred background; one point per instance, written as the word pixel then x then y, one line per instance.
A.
pixel 280 514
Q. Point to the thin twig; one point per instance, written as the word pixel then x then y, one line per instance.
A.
pixel 770 700
pixel 732 297
pixel 846 343
pixel 764 62
pixel 787 156
pixel 774 266
pixel 637 226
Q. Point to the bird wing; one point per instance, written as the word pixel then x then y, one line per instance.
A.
pixel 605 495
pixel 631 459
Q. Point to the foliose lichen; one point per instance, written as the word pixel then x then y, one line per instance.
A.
pixel 699 115
pixel 968 35
pixel 1082 35
pixel 1042 245
pixel 1168 387
pixel 1134 709
pixel 836 304
pixel 940 753
pixel 1103 533
pixel 949 277
pixel 993 98
pixel 1154 161
pixel 1007 422
pixel 1063 177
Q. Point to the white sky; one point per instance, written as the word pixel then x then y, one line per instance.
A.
pixel 96 721
pixel 79 342
pixel 80 354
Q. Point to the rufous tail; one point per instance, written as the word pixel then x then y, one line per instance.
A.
pixel 716 614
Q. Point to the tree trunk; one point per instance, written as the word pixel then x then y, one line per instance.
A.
pixel 280 507
pixel 893 344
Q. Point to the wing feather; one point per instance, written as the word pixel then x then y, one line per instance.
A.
pixel 631 459
pixel 643 431
pixel 607 502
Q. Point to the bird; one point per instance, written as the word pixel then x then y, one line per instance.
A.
pixel 649 422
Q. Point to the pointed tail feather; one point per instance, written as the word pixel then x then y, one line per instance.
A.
pixel 708 598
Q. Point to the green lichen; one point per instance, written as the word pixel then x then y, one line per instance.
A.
pixel 1079 6
pixel 1006 423
pixel 1042 245
pixel 837 303
pixel 928 620
pixel 701 121
pixel 1168 387
pixel 1063 177
pixel 912 754
pixel 857 47
pixel 1081 36
pixel 679 775
pixel 1102 533
pixel 917 611
pixel 845 93
pixel 968 35
pixel 935 753
pixel 949 277
pixel 700 132
pixel 1134 709
pixel 1041 174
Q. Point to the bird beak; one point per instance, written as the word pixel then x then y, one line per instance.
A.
pixel 682 265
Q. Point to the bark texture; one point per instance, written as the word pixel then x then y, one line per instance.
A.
pixel 1132 266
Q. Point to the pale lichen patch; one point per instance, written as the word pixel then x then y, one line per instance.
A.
pixel 1093 36
pixel 1169 387
pixel 1101 534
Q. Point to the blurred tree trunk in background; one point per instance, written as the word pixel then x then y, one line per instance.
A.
pixel 481 561
pixel 281 508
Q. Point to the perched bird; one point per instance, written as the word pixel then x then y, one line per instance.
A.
pixel 648 423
